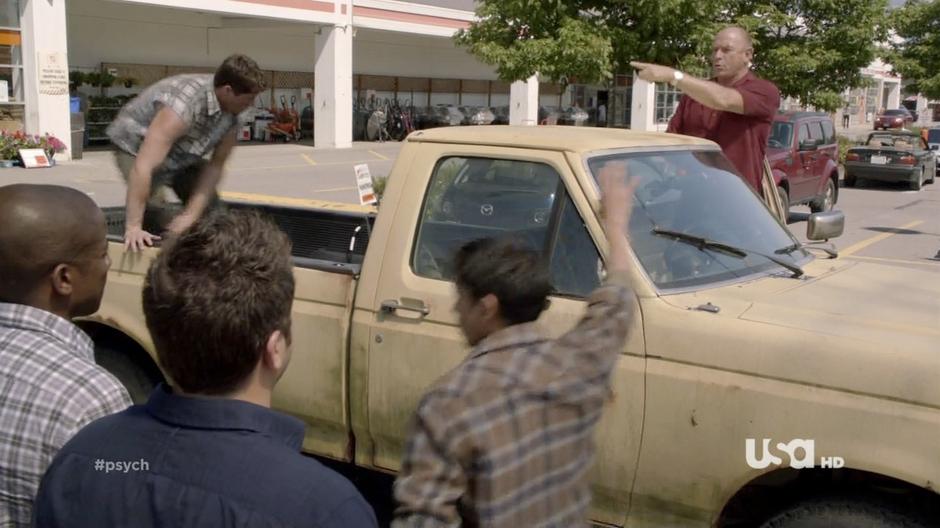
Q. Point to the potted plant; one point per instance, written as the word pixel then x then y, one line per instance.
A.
pixel 76 80
pixel 9 148
pixel 128 82
pixel 12 143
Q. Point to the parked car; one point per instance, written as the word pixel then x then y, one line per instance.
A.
pixel 933 143
pixel 897 118
pixel 573 116
pixel 803 155
pixel 549 115
pixel 891 156
pixel 474 115
pixel 501 115
pixel 438 116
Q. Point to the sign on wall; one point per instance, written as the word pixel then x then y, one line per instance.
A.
pixel 53 73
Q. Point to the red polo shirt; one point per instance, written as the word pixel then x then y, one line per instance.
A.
pixel 742 137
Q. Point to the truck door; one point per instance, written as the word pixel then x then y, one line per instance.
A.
pixel 414 336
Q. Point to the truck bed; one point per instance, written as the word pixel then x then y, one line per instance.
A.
pixel 322 239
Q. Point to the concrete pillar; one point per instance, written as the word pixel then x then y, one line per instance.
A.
pixel 894 95
pixel 643 106
pixel 333 97
pixel 881 96
pixel 43 31
pixel 524 102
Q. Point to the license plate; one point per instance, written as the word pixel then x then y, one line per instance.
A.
pixel 879 160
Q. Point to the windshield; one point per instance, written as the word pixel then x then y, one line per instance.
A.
pixel 899 141
pixel 780 135
pixel 698 193
pixel 895 112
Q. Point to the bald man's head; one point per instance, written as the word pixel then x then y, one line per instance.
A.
pixel 732 51
pixel 52 249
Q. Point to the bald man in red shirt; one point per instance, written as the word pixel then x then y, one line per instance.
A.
pixel 735 109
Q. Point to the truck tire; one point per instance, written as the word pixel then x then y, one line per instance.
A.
pixel 827 200
pixel 844 513
pixel 138 382
pixel 918 182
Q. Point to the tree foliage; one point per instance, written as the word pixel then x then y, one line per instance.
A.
pixel 916 52
pixel 812 49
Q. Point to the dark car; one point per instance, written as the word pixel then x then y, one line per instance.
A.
pixel 573 116
pixel 897 118
pixel 490 193
pixel 891 156
pixel 933 143
pixel 803 153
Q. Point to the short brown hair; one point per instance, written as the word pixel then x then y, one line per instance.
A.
pixel 213 297
pixel 240 72
pixel 511 270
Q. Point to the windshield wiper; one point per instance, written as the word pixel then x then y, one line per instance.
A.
pixel 703 243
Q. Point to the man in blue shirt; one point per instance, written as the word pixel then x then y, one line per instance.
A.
pixel 207 451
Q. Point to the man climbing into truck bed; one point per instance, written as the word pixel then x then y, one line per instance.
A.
pixel 506 438
pixel 162 135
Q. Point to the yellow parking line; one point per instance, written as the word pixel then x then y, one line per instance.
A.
pixel 376 154
pixel 309 159
pixel 858 246
pixel 931 264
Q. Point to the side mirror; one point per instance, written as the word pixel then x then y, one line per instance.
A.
pixel 826 225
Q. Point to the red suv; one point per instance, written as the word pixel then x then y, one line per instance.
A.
pixel 803 154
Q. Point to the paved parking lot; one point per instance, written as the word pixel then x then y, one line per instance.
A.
pixel 255 172
pixel 884 222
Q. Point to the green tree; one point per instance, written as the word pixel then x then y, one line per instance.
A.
pixel 916 52
pixel 812 49
pixel 554 38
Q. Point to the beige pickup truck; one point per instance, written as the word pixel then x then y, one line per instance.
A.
pixel 764 383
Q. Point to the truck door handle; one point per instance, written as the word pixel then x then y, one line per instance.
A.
pixel 392 306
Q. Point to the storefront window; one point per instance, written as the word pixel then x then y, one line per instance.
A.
pixel 11 67
pixel 10 14
pixel 667 99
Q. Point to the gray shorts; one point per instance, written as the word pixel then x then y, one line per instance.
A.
pixel 159 211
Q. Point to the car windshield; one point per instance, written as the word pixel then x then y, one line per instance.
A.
pixel 904 142
pixel 895 112
pixel 780 135
pixel 698 193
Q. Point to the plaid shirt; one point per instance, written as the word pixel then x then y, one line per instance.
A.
pixel 193 99
pixel 506 438
pixel 50 388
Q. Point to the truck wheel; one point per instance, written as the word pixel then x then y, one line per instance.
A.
pixel 138 382
pixel 827 200
pixel 843 513
pixel 919 181
pixel 785 201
